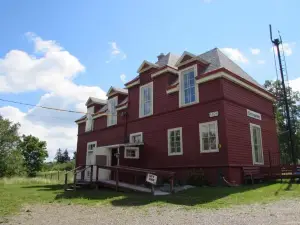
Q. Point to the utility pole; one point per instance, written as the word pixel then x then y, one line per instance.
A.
pixel 276 43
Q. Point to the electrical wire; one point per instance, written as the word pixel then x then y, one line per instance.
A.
pixel 43 107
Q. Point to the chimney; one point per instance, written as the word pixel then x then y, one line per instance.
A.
pixel 160 56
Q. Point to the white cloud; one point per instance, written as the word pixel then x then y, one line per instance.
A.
pixel 295 84
pixel 255 51
pixel 51 71
pixel 287 48
pixel 261 61
pixel 123 78
pixel 235 55
pixel 115 52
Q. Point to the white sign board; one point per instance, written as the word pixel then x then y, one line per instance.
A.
pixel 151 178
pixel 253 114
pixel 213 114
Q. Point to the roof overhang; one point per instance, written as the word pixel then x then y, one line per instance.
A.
pixel 165 70
pixel 90 102
pixel 148 65
pixel 132 83
pixel 122 145
pixel 113 91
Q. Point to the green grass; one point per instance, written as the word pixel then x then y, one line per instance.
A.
pixel 20 191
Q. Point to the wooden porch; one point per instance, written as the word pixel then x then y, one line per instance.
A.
pixel 115 181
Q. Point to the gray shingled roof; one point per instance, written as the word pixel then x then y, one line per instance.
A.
pixel 170 59
pixel 217 59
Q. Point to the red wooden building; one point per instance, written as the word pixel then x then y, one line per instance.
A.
pixel 181 113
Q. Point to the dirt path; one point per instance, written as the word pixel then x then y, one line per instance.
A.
pixel 281 212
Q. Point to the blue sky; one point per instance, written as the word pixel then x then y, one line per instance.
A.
pixel 98 41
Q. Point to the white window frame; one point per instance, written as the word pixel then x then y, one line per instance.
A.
pixel 181 86
pixel 215 122
pixel 91 143
pixel 137 152
pixel 252 145
pixel 109 116
pixel 136 134
pixel 169 141
pixel 141 102
pixel 90 112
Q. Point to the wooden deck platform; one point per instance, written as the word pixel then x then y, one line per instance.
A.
pixel 112 183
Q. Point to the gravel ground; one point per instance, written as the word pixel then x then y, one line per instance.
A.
pixel 281 212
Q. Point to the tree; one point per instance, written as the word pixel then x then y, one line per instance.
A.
pixel 59 156
pixel 9 140
pixel 66 157
pixel 280 113
pixel 34 153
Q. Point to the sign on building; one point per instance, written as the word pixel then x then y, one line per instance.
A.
pixel 151 178
pixel 253 114
pixel 214 114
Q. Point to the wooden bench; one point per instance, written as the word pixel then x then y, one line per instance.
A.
pixel 252 173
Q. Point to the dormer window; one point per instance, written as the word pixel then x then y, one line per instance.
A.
pixel 146 100
pixel 188 86
pixel 89 119
pixel 111 111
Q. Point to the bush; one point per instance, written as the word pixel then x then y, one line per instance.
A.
pixel 59 166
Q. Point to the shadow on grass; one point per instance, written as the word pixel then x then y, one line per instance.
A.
pixel 191 197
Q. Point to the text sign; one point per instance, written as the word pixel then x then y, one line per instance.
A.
pixel 213 114
pixel 151 178
pixel 253 114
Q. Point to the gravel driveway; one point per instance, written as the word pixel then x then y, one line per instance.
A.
pixel 281 212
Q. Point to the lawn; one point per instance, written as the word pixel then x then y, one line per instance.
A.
pixel 17 192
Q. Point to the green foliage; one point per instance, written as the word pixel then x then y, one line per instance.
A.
pixel 66 156
pixel 62 157
pixel 34 153
pixel 276 89
pixel 9 140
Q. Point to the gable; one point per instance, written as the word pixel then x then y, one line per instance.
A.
pixel 185 57
pixel 145 66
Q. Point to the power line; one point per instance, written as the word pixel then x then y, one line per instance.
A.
pixel 43 107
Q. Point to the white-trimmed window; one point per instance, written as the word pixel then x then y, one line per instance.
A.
pixel 256 142
pixel 89 123
pixel 175 141
pixel 136 137
pixel 91 146
pixel 188 86
pixel 111 111
pixel 209 138
pixel 146 100
pixel 131 153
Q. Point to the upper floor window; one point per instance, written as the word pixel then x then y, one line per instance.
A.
pixel 175 141
pixel 136 137
pixel 209 139
pixel 146 100
pixel 89 119
pixel 111 111
pixel 256 142
pixel 188 86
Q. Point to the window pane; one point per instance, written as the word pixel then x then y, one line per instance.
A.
pixel 212 130
pixel 204 130
pixel 212 143
pixel 205 144
pixel 193 98
pixel 178 149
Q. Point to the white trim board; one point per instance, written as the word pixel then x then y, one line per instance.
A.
pixel 169 144
pixel 180 77
pixel 252 146
pixel 164 71
pixel 215 122
pixel 137 82
pixel 122 107
pixel 150 84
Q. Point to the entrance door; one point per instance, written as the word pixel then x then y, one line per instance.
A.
pixel 102 158
pixel 89 161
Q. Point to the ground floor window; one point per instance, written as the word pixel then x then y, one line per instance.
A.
pixel 209 139
pixel 175 141
pixel 131 153
pixel 256 142
pixel 91 145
